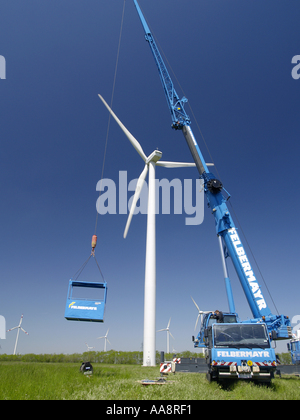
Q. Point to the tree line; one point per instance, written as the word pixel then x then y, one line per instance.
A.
pixel 108 357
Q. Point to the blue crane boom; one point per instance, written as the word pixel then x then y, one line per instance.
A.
pixel 213 187
pixel 176 105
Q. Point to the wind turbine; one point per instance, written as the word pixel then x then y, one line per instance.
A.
pixel 200 314
pixel 19 328
pixel 88 347
pixel 168 335
pixel 150 265
pixel 106 339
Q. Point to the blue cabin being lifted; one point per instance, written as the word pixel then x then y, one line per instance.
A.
pixel 86 308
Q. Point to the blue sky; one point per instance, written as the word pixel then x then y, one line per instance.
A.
pixel 233 62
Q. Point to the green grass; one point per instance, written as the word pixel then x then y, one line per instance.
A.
pixel 58 381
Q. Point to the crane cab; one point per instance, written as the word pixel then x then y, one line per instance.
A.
pixel 86 301
pixel 208 320
pixel 228 318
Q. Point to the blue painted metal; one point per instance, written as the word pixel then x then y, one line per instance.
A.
pixel 85 309
pixel 224 255
pixel 208 321
pixel 229 295
pixel 176 105
pixel 244 345
pixel 245 273
pixel 217 203
pixel 294 348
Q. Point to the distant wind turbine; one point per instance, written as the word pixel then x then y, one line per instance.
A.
pixel 105 339
pixel 200 314
pixel 168 335
pixel 88 347
pixel 150 265
pixel 19 328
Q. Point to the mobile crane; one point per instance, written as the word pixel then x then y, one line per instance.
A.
pixel 234 348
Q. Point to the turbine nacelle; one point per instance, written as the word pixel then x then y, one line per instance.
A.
pixel 154 157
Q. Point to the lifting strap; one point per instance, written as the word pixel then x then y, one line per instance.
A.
pixel 80 270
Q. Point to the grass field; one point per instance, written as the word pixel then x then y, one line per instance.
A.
pixel 63 381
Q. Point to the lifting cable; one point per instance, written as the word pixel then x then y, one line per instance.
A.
pixel 94 237
pixel 80 270
pixel 109 116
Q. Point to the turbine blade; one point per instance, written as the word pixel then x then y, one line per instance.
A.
pixel 130 137
pixel 171 335
pixel 163 329
pixel 99 337
pixel 179 164
pixel 175 164
pixel 195 304
pixel 198 313
pixel 24 331
pixel 108 341
pixel 12 328
pixel 137 193
pixel 197 321
pixel 169 323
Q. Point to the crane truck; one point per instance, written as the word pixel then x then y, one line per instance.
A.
pixel 233 348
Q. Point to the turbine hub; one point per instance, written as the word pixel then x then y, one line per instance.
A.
pixel 154 157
